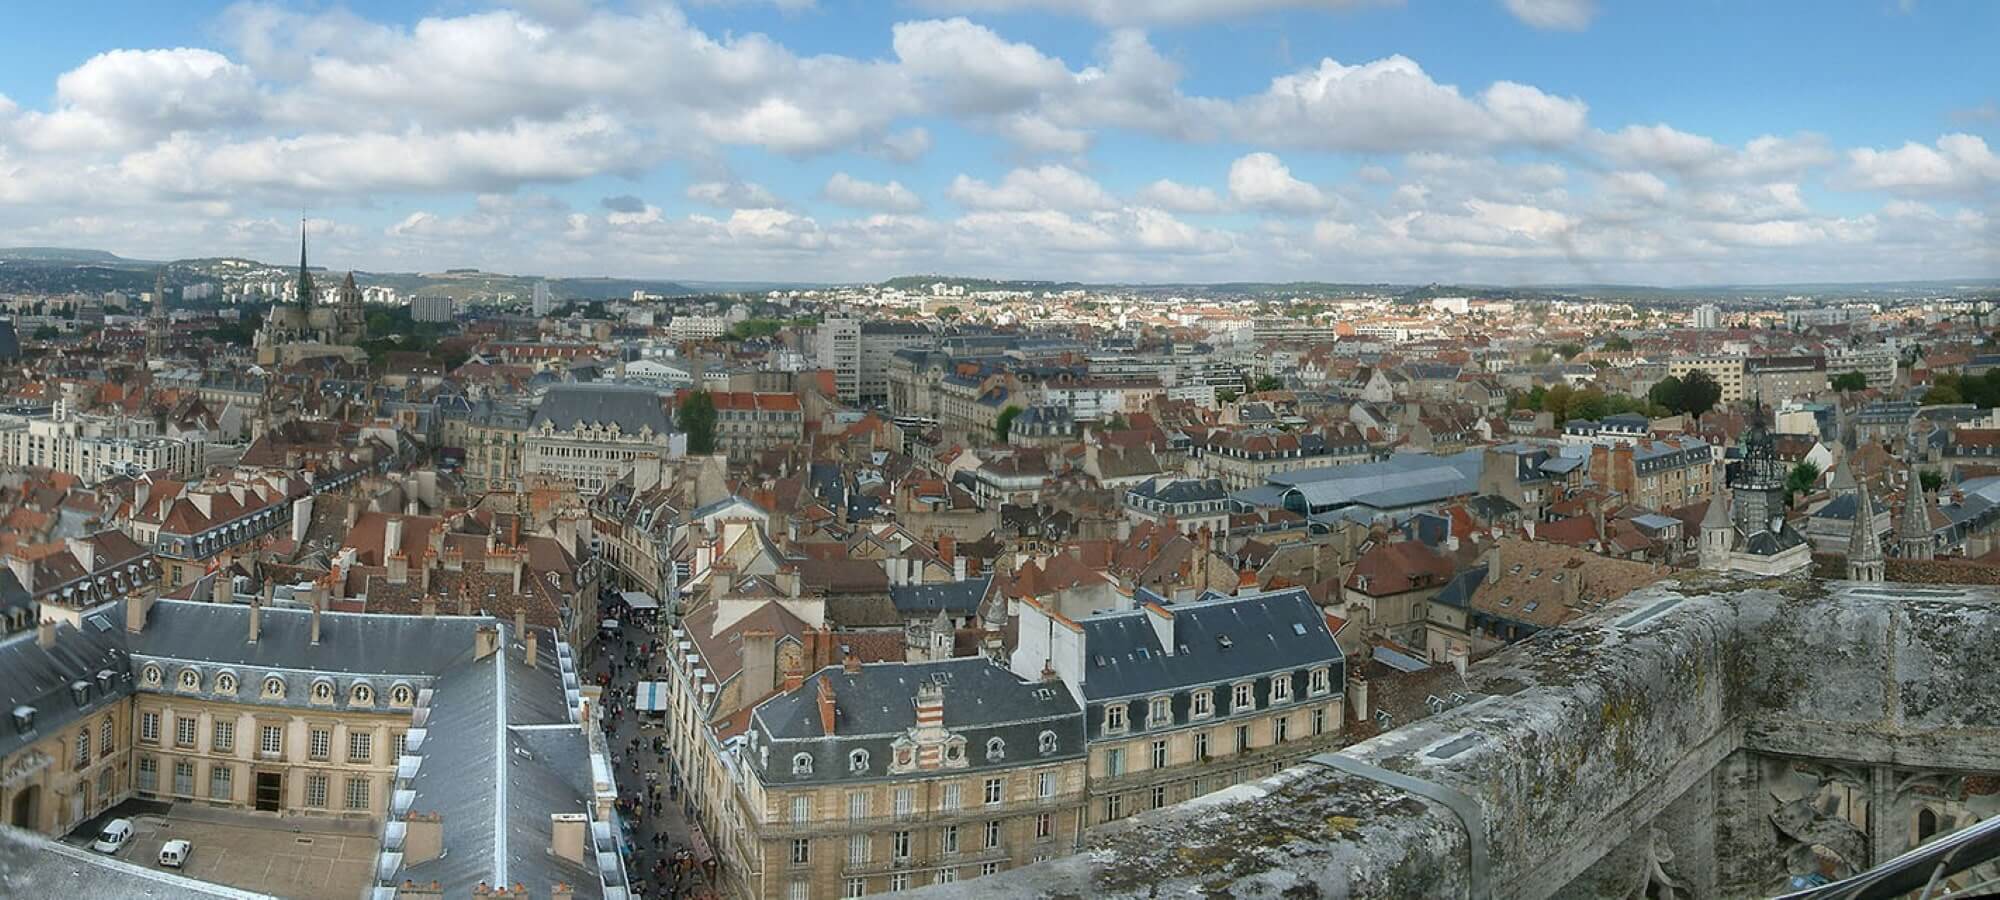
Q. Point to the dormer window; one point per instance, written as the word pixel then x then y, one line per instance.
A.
pixel 24 719
pixel 400 695
pixel 225 683
pixel 151 675
pixel 802 764
pixel 1160 712
pixel 190 679
pixel 322 691
pixel 1319 682
pixel 1047 742
pixel 1201 704
pixel 362 695
pixel 1281 689
pixel 857 762
pixel 996 750
pixel 1114 717
pixel 274 687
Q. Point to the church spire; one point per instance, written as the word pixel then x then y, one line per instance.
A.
pixel 156 319
pixel 1913 533
pixel 1864 545
pixel 305 275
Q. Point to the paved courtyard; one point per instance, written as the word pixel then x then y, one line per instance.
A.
pixel 277 857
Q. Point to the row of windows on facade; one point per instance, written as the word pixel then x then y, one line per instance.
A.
pixel 1281 732
pixel 898 881
pixel 858 760
pixel 221 781
pixel 1201 703
pixel 860 847
pixel 1048 785
pixel 586 453
pixel 361 693
pixel 271 738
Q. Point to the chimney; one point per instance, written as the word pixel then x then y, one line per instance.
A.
pixel 947 548
pixel 45 633
pixel 302 509
pixel 485 641
pixel 353 510
pixel 392 537
pixel 430 606
pixel 566 836
pixel 826 707
pixel 1493 564
pixel 410 890
pixel 1357 695
pixel 849 663
pixel 256 618
pixel 84 551
pixel 794 680
pixel 520 621
pixel 930 705
pixel 220 588
pixel 561 890
pixel 315 619
pixel 137 608
pixel 529 644
pixel 1456 653
pixel 423 837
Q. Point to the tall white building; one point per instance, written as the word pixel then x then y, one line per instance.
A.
pixel 94 448
pixel 432 309
pixel 837 347
pixel 1708 315
pixel 544 299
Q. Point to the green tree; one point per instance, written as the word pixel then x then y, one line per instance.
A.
pixel 1669 393
pixel 1556 402
pixel 1939 395
pixel 1568 351
pixel 1617 344
pixel 1539 358
pixel 697 419
pixel 1225 395
pixel 1931 479
pixel 1801 479
pixel 46 333
pixel 1700 393
pixel 1269 383
pixel 1850 381
pixel 1589 404
pixel 949 313
pixel 1005 423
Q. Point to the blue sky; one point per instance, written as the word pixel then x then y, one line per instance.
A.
pixel 1515 141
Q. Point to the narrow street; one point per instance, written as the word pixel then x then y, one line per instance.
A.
pixel 662 863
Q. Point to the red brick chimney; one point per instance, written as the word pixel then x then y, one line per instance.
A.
pixel 826 707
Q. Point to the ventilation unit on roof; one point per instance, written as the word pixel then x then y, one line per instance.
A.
pixel 1224 641
pixel 1101 661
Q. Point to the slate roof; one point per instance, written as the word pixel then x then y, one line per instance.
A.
pixel 877 704
pixel 1266 633
pixel 42 677
pixel 356 643
pixel 954 598
pixel 631 406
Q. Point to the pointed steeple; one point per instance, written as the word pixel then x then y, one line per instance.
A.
pixel 1843 478
pixel 156 318
pixel 306 291
pixel 1913 532
pixel 1864 545
pixel 1718 533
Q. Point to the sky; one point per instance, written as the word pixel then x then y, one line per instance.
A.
pixel 1476 141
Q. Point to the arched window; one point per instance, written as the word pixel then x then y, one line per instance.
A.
pixel 151 674
pixel 274 686
pixel 362 694
pixel 190 679
pixel 857 762
pixel 323 690
pixel 1048 742
pixel 802 764
pixel 1927 824
pixel 955 751
pixel 225 683
pixel 400 696
pixel 996 749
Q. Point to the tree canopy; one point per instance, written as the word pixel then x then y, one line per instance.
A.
pixel 1693 395
pixel 1957 387
pixel 1850 381
pixel 1564 403
pixel 1005 424
pixel 697 419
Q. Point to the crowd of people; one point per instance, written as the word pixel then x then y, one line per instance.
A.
pixel 660 858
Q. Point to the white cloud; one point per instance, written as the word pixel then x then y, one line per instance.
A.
pixel 1958 162
pixel 1393 104
pixel 1050 187
pixel 1261 180
pixel 1564 15
pixel 731 194
pixel 972 68
pixel 847 190
pixel 1146 12
pixel 1172 195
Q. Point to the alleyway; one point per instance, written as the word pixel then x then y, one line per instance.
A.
pixel 662 864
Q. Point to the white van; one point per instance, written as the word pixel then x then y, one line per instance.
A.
pixel 174 853
pixel 112 839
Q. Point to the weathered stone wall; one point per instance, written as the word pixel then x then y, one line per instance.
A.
pixel 1594 752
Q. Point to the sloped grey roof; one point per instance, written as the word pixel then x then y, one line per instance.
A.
pixel 955 598
pixel 358 643
pixel 876 705
pixel 1124 657
pixel 40 677
pixel 631 406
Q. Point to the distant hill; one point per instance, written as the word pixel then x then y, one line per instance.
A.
pixel 923 282
pixel 62 255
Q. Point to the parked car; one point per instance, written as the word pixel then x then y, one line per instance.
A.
pixel 175 853
pixel 114 836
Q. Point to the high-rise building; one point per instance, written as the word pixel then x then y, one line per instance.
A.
pixel 432 309
pixel 1708 315
pixel 837 348
pixel 544 299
